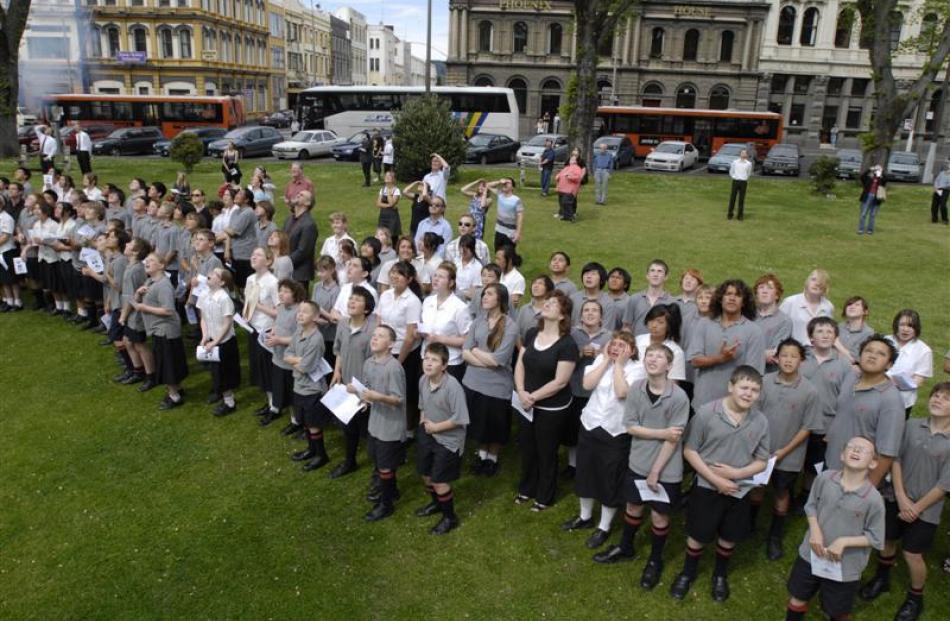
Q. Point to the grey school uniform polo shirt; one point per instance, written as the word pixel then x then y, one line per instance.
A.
pixel 166 241
pixel 527 318
pixel 607 318
pixel 717 439
pixel 776 327
pixel 876 413
pixel 285 324
pixel 637 308
pixel 133 278
pixel 244 226
pixel 351 347
pixel 707 339
pixel 310 350
pixel 567 287
pixel 386 422
pixel 827 377
pixel 852 339
pixel 925 464
pixel 845 514
pixel 117 267
pixel 671 409
pixel 789 408
pixel 161 294
pixel 445 402
pixel 498 381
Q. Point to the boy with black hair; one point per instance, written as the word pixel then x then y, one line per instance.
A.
pixel 790 404
pixel 558 266
pixel 440 441
pixel 593 277
pixel 618 286
pixel 920 476
pixel 727 443
pixel 845 518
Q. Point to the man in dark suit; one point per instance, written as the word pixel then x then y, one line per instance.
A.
pixel 302 231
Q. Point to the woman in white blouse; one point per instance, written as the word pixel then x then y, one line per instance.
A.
pixel 915 361
pixel 260 310
pixel 400 308
pixel 508 260
pixel 445 318
pixel 810 303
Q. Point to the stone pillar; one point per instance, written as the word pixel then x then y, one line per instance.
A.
pixel 812 120
pixel 747 34
pixel 625 52
pixel 634 58
pixel 464 28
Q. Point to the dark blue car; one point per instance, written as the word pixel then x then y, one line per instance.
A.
pixel 206 134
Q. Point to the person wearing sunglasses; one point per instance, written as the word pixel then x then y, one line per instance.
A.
pixel 466 224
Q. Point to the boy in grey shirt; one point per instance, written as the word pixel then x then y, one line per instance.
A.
pixel 385 382
pixel 845 519
pixel 304 354
pixel 441 436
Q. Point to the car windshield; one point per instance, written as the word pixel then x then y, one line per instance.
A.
pixel 612 143
pixel 236 133
pixel 480 140
pixel 357 137
pixel 904 159
pixel 783 152
pixel 669 148
pixel 850 156
pixel 302 137
pixel 538 141
pixel 731 149
pixel 119 133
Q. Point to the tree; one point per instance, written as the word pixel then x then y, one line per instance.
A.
pixel 425 126
pixel 13 14
pixel 187 149
pixel 893 104
pixel 595 22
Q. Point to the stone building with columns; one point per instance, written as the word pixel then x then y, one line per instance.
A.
pixel 703 54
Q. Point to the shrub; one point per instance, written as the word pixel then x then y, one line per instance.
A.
pixel 823 172
pixel 187 149
pixel 425 126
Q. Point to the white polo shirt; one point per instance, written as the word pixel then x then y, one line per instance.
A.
pixel 796 307
pixel 914 358
pixel 604 409
pixel 451 318
pixel 398 313
pixel 678 368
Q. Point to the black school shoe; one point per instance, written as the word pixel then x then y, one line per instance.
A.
pixel 224 409
pixel 147 385
pixel 375 496
pixel 478 466
pixel 170 404
pixel 651 575
pixel 213 398
pixel 316 463
pixel 489 468
pixel 444 526
pixel 268 418
pixel 303 455
pixel 680 586
pixel 342 470
pixel 910 610
pixel 290 429
pixel 598 539
pixel 576 523
pixel 874 587
pixel 430 509
pixel 773 549
pixel 614 554
pixel 720 584
pixel 261 411
pixel 379 512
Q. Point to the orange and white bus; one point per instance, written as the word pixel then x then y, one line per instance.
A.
pixel 706 129
pixel 171 113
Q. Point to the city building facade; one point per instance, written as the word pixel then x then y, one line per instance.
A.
pixel 341 52
pixel 51 51
pixel 308 48
pixel 358 51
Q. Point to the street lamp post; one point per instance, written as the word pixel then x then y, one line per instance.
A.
pixel 428 45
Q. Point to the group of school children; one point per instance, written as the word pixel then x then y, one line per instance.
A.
pixel 663 400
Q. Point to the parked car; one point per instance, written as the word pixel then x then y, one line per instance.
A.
pixel 206 134
pixel 530 153
pixel 727 154
pixel 249 141
pixel 903 166
pixel 283 118
pixel 96 132
pixel 128 141
pixel 24 118
pixel 849 163
pixel 620 146
pixel 672 155
pixel 27 137
pixel 783 159
pixel 487 148
pixel 306 144
pixel 349 151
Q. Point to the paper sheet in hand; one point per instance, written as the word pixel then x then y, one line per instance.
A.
pixel 322 370
pixel 343 404
pixel 19 266
pixel 206 355
pixel 423 328
pixel 202 287
pixel 93 259
pixel 261 336
pixel 763 477
pixel 106 320
pixel 359 386
pixel 903 381
pixel 241 321
pixel 647 494
pixel 86 231
pixel 528 413
pixel 819 467
pixel 823 568
pixel 190 315
pixel 3 263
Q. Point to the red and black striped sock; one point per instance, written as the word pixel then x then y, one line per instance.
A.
pixel 691 564
pixel 387 487
pixel 884 564
pixel 723 555
pixel 795 613
pixel 631 524
pixel 315 442
pixel 659 542
pixel 916 595
pixel 447 504
pixel 777 529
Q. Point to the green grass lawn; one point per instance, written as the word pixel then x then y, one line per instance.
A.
pixel 114 510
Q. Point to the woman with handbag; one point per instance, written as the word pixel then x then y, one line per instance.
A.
pixel 874 192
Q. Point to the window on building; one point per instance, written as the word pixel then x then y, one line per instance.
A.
pixel 859 87
pixel 853 120
pixel 136 2
pixel 835 86
pixel 652 95
pixel 726 42
pixel 779 83
pixel 691 44
pixel 844 27
pixel 802 82
pixel 786 25
pixel 520 37
pixel 95 43
pixel 112 37
pixel 605 91
pixel 775 106
pixel 896 21
pixel 555 33
pixel 47 47
pixel 686 96
pixel 139 39
pixel 520 87
pixel 656 43
pixel 797 115
pixel 719 98
pixel 929 33
pixel 164 3
pixel 485 36
pixel 166 43
pixel 484 80
pixel 809 27
pixel 606 47
pixel 184 43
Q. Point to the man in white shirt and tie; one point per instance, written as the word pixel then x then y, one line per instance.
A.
pixel 83 148
pixel 48 147
pixel 740 170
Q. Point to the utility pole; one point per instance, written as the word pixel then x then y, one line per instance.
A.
pixel 428 46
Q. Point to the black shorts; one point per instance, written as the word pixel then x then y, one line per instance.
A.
pixel 282 386
pixel 434 460
pixel 837 598
pixel 916 537
pixel 783 481
pixel 310 412
pixel 632 494
pixel 601 466
pixel 259 363
pixel 490 418
pixel 385 454
pixel 8 274
pixel 815 450
pixel 711 513
pixel 134 336
pixel 115 328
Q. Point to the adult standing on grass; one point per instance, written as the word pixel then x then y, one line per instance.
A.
pixel 603 164
pixel 438 178
pixel 389 155
pixel 377 149
pixel 568 186
pixel 546 166
pixel 740 170
pixel 387 201
pixel 302 231
pixel 938 204
pixel 83 149
pixel 298 183
pixel 230 164
pixel 509 218
pixel 366 157
pixel 481 199
pixel 48 147
pixel 873 193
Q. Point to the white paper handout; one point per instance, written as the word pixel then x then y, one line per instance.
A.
pixel 323 368
pixel 202 287
pixel 903 380
pixel 208 355
pixel 819 467
pixel 763 477
pixel 261 336
pixel 191 315
pixel 423 328
pixel 86 231
pixel 242 322
pixel 528 413
pixel 342 403
pixel 823 568
pixel 106 320
pixel 359 386
pixel 19 266
pixel 648 495
pixel 93 259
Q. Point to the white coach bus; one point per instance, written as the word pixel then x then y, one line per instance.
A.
pixel 349 109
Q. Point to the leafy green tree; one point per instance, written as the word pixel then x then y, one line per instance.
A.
pixel 425 126
pixel 187 149
pixel 13 17
pixel 823 173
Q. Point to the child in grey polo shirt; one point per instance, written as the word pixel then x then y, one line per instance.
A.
pixel 441 435
pixel 385 391
pixel 921 479
pixel 790 404
pixel 727 443
pixel 303 354
pixel 845 518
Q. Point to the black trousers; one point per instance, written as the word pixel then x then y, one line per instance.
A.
pixel 85 162
pixel 367 166
pixel 539 441
pixel 45 164
pixel 938 206
pixel 738 190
